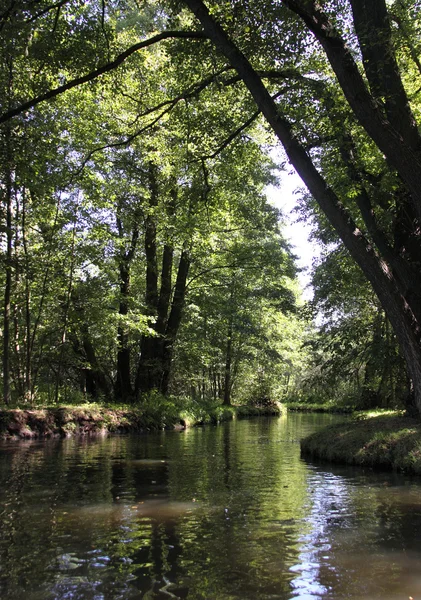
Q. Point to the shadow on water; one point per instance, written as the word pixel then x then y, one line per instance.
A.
pixel 219 513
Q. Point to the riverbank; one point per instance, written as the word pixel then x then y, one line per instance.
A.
pixel 93 419
pixel 390 441
pixel 318 408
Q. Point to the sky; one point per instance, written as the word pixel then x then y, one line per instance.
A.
pixel 297 233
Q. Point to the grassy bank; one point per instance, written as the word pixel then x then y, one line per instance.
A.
pixel 94 419
pixel 318 408
pixel 391 441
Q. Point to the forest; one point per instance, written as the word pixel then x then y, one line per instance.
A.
pixel 140 254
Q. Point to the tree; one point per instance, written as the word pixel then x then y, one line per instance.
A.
pixel 354 356
pixel 369 109
pixel 240 287
pixel 105 221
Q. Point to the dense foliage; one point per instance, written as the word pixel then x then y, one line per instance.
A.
pixel 139 251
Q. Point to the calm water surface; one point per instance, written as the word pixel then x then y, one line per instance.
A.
pixel 221 513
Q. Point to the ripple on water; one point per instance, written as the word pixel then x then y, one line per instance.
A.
pixel 222 513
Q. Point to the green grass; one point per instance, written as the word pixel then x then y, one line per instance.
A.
pixel 385 440
pixel 317 407
pixel 153 413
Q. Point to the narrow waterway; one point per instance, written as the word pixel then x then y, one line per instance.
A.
pixel 220 513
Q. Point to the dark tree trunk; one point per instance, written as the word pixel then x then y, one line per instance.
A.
pixel 152 367
pixel 18 368
pixel 228 351
pixel 372 26
pixel 7 184
pixel 151 362
pixel 228 361
pixel 151 296
pixel 7 294
pixel 8 282
pixel 147 375
pixel 166 287
pixel 174 319
pixel 28 335
pixel 123 385
pixel 404 157
pixel 97 379
pixel 123 389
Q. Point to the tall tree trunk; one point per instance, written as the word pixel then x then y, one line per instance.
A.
pixel 28 348
pixel 151 363
pixel 228 351
pixel 97 379
pixel 148 371
pixel 123 387
pixel 399 141
pixel 8 268
pixel 174 319
pixel 66 307
pixel 374 33
pixel 228 361
pixel 123 390
pixel 165 291
pixel 7 160
pixel 18 374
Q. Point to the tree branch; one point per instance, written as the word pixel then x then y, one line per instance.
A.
pixel 392 142
pixel 110 66
pixel 375 269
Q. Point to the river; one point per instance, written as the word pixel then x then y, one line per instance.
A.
pixel 217 513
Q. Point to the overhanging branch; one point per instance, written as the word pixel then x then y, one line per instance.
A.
pixel 110 66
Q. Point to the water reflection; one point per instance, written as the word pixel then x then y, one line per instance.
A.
pixel 223 513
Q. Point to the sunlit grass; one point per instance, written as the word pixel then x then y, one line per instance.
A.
pixel 317 407
pixel 153 412
pixel 385 439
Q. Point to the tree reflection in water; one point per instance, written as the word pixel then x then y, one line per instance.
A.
pixel 222 513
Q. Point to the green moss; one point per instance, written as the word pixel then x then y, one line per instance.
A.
pixel 390 441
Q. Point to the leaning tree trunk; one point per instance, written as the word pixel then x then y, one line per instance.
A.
pixel 400 155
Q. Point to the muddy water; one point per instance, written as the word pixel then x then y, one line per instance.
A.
pixel 221 513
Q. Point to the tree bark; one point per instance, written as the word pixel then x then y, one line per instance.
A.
pixel 123 386
pixel 174 319
pixel 97 378
pixel 123 391
pixel 148 370
pixel 152 367
pixel 8 268
pixel 393 142
pixel 165 291
pixel 228 350
pixel 228 360
pixel 372 25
